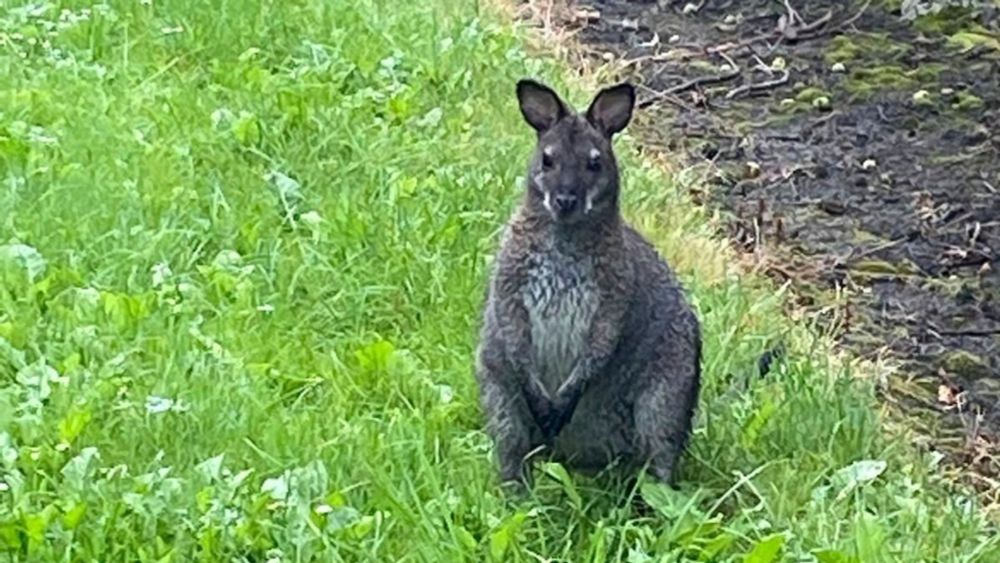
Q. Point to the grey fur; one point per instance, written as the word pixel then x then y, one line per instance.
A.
pixel 588 345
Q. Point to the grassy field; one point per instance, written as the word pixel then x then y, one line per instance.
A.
pixel 243 248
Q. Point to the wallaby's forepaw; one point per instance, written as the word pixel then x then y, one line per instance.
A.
pixel 550 418
pixel 541 411
pixel 560 414
pixel 552 424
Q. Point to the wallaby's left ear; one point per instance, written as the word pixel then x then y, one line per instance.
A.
pixel 611 109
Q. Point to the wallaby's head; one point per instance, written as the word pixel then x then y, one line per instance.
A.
pixel 573 175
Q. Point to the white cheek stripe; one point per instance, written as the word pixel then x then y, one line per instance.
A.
pixel 546 197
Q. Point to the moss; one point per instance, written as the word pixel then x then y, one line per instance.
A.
pixel 976 36
pixel 875 46
pixel 882 268
pixel 946 22
pixel 966 101
pixel 965 364
pixel 705 67
pixel 927 73
pixel 868 80
pixel 861 236
pixel 810 94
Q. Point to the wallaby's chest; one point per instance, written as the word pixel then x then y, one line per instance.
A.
pixel 561 297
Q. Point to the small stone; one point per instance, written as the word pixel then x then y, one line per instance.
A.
pixel 674 39
pixel 751 170
pixel 947 395
pixel 868 164
pixel 690 8
pixel 947 91
pixel 821 102
pixel 838 67
pixel 608 56
pixel 778 63
pixel 630 25
pixel 921 97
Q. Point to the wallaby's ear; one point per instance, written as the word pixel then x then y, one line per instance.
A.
pixel 540 106
pixel 611 109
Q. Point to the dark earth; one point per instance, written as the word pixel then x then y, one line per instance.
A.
pixel 860 153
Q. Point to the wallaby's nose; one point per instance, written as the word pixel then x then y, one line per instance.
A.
pixel 565 203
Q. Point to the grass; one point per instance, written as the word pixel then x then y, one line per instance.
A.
pixel 243 248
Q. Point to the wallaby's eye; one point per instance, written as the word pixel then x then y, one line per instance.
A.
pixel 594 163
pixel 546 159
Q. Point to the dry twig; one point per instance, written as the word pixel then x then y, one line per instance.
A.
pixel 685 86
pixel 752 87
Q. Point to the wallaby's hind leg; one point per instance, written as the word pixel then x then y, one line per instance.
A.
pixel 663 414
pixel 508 420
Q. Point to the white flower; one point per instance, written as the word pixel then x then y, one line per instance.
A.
pixel 161 272
pixel 158 405
pixel 276 487
pixel 446 393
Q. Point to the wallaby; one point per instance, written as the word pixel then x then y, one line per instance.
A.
pixel 588 345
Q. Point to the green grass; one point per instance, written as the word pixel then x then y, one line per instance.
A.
pixel 242 252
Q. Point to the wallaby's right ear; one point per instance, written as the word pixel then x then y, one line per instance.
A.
pixel 540 105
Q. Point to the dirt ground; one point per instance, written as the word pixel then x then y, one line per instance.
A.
pixel 860 152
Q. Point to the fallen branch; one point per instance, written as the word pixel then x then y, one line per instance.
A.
pixel 685 86
pixel 658 95
pixel 873 250
pixel 969 332
pixel 800 33
pixel 739 44
pixel 751 87
pixel 820 22
pixel 654 58
pixel 849 21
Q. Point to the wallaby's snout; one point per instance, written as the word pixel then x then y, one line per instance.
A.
pixel 565 204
